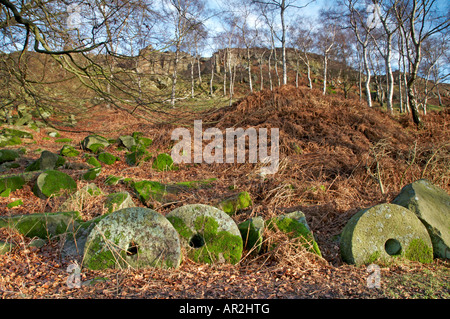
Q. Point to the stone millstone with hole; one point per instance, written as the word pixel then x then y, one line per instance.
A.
pixel 431 204
pixel 383 232
pixel 208 234
pixel 134 237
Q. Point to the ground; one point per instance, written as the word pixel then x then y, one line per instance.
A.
pixel 336 157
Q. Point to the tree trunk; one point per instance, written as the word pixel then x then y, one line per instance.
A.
pixel 283 42
pixel 325 64
pixel 250 82
pixel 367 82
pixel 174 76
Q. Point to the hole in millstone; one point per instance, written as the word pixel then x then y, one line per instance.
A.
pixel 132 248
pixel 197 241
pixel 393 247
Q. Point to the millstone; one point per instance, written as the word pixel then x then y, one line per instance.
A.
pixel 132 237
pixel 431 204
pixel 208 234
pixel 383 232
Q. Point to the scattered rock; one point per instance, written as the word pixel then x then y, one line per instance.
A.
pixel 92 173
pixel 12 183
pixel 45 225
pixel 140 154
pixel 163 162
pixel 383 232
pixel 94 143
pixel 235 203
pixel 252 233
pixel 93 161
pixel 8 155
pixel 150 190
pixel 53 183
pixel 117 201
pixel 107 158
pixel 15 203
pixel 431 205
pixel 69 151
pixel 47 161
pixel 127 141
pixel 132 237
pixel 207 233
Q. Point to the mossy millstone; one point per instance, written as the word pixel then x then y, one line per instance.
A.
pixel 208 234
pixel 431 204
pixel 53 183
pixel 137 237
pixel 383 232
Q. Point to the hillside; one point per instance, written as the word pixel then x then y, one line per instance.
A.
pixel 334 153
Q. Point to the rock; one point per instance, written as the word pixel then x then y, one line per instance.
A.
pixel 45 225
pixel 69 151
pixel 127 141
pixel 37 242
pixel 77 201
pixel 47 161
pixel 252 233
pixel 53 134
pixel 117 201
pixel 8 155
pixel 150 190
pixel 295 226
pixel 136 237
pixel 94 142
pixel 431 205
pixel 17 133
pixel 15 203
pixel 207 233
pixel 93 161
pixel 107 158
pixel 235 203
pixel 12 183
pixel 138 155
pixel 75 241
pixel 383 232
pixel 163 162
pixel 92 173
pixel 113 180
pixel 53 183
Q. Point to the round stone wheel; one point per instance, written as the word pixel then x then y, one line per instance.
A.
pixel 208 234
pixel 383 232
pixel 133 237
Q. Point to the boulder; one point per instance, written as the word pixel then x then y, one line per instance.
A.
pixel 163 162
pixel 208 234
pixel 69 151
pixel 44 225
pixel 107 158
pixel 127 141
pixel 138 155
pixel 132 237
pixel 154 191
pixel 53 183
pixel 431 205
pixel 235 203
pixel 295 226
pixel 117 201
pixel 94 143
pixel 252 231
pixel 92 173
pixel 8 155
pixel 47 161
pixel 384 232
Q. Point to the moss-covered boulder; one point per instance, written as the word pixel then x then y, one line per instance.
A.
pixel 7 155
pixel 94 143
pixel 47 161
pixel 132 237
pixel 128 141
pixel 92 173
pixel 431 205
pixel 149 191
pixel 107 158
pixel 384 232
pixel 207 233
pixel 252 232
pixel 53 183
pixel 163 162
pixel 69 151
pixel 45 225
pixel 235 203
pixel 295 226
pixel 12 183
pixel 93 161
pixel 117 201
pixel 138 155
pixel 17 133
